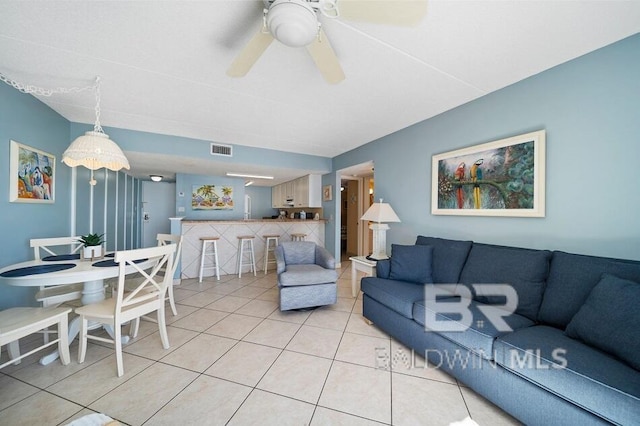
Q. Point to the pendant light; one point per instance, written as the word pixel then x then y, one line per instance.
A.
pixel 94 150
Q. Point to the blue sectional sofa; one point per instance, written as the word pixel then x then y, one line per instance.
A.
pixel 571 352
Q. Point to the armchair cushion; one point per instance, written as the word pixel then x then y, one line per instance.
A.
pixel 299 252
pixel 307 275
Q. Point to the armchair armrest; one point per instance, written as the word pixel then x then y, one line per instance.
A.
pixel 324 258
pixel 280 265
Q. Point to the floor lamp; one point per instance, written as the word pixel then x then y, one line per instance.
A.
pixel 378 213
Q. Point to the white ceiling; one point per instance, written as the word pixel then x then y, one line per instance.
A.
pixel 163 66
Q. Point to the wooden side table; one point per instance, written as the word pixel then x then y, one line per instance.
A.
pixel 360 263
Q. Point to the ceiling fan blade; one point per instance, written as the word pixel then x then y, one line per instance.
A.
pixel 250 54
pixel 326 59
pixel 390 12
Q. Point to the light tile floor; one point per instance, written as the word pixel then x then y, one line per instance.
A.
pixel 236 359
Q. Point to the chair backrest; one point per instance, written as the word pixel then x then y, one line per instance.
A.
pixel 46 244
pixel 149 292
pixel 164 239
pixel 299 252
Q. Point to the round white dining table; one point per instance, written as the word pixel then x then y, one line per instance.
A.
pixel 33 273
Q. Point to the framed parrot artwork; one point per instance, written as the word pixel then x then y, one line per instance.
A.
pixel 32 175
pixel 500 178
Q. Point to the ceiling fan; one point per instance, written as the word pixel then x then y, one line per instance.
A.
pixel 295 23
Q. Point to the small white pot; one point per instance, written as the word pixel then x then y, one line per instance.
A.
pixel 92 252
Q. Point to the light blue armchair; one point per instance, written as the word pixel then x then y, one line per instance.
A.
pixel 306 275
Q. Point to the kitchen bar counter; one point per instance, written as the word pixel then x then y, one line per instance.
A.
pixel 229 230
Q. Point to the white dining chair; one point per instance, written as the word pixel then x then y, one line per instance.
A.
pixel 56 295
pixel 16 323
pixel 164 239
pixel 130 304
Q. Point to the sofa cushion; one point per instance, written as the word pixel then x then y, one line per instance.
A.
pixel 306 275
pixel 448 258
pixel 524 269
pixel 396 295
pixel 481 334
pixel 609 319
pixel 571 278
pixel 573 370
pixel 411 263
pixel 383 268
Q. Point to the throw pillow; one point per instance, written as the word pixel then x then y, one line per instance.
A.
pixel 411 263
pixel 609 319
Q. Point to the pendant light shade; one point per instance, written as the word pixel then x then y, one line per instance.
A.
pixel 94 150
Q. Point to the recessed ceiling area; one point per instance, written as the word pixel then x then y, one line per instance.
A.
pixel 163 69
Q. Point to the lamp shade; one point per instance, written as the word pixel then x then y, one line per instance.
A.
pixel 380 212
pixel 94 150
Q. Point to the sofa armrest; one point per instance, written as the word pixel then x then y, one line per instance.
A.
pixel 280 265
pixel 383 268
pixel 324 258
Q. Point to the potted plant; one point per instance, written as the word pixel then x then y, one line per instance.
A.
pixel 92 246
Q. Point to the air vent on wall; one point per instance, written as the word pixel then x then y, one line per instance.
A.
pixel 224 150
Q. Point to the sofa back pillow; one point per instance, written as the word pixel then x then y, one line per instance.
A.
pixel 609 319
pixel 525 270
pixel 571 279
pixel 411 263
pixel 448 257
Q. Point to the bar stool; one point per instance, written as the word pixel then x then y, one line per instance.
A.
pixel 245 246
pixel 214 243
pixel 268 248
pixel 298 237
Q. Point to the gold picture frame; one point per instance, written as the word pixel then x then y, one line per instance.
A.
pixel 327 193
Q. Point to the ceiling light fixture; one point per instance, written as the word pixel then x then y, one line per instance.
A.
pixel 155 178
pixel 249 176
pixel 94 150
pixel 292 22
pixel 248 183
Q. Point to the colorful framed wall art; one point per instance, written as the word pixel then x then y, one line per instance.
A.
pixel 32 175
pixel 501 178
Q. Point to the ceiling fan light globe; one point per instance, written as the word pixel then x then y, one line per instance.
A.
pixel 292 22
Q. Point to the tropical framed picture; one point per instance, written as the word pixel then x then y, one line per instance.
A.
pixel 210 197
pixel 32 175
pixel 501 178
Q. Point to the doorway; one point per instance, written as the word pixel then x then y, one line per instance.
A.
pixel 158 205
pixel 356 195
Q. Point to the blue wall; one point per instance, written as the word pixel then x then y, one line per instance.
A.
pixel 25 119
pixel 590 109
pixel 260 201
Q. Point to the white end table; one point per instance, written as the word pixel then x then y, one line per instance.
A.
pixel 360 263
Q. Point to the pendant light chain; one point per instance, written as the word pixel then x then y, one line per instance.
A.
pixel 97 127
pixel 35 90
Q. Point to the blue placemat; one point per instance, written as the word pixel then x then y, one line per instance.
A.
pixel 75 256
pixel 110 262
pixel 39 269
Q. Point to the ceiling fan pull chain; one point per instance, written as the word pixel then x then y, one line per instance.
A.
pixel 264 30
pixel 319 35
